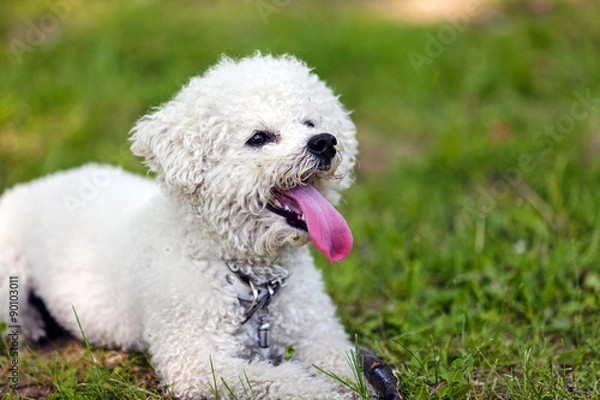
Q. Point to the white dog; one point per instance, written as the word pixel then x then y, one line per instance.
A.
pixel 207 265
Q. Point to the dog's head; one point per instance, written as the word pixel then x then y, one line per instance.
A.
pixel 256 146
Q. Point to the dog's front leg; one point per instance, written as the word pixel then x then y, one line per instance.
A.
pixel 196 361
pixel 304 317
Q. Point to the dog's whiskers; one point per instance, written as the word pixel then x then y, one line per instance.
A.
pixel 303 169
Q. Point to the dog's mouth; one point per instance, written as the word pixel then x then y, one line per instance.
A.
pixel 282 205
pixel 304 208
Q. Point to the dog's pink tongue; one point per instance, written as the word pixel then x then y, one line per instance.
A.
pixel 326 226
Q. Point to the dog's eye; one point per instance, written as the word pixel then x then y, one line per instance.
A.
pixel 309 124
pixel 260 138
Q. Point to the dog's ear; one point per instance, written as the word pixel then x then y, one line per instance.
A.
pixel 167 139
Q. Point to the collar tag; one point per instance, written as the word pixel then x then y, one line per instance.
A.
pixel 264 331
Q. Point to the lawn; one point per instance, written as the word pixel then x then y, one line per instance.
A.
pixel 476 212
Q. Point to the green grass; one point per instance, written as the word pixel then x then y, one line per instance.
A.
pixel 476 268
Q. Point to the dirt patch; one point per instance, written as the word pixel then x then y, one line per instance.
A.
pixel 434 11
pixel 424 12
pixel 68 360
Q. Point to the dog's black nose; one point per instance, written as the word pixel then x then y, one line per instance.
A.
pixel 323 146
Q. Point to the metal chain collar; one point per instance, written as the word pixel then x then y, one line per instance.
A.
pixel 258 299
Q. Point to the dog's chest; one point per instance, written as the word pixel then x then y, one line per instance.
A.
pixel 258 332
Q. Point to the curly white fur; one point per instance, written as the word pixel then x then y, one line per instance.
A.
pixel 144 265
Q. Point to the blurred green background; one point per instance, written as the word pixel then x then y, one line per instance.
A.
pixel 476 206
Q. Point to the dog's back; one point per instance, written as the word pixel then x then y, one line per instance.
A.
pixel 56 230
